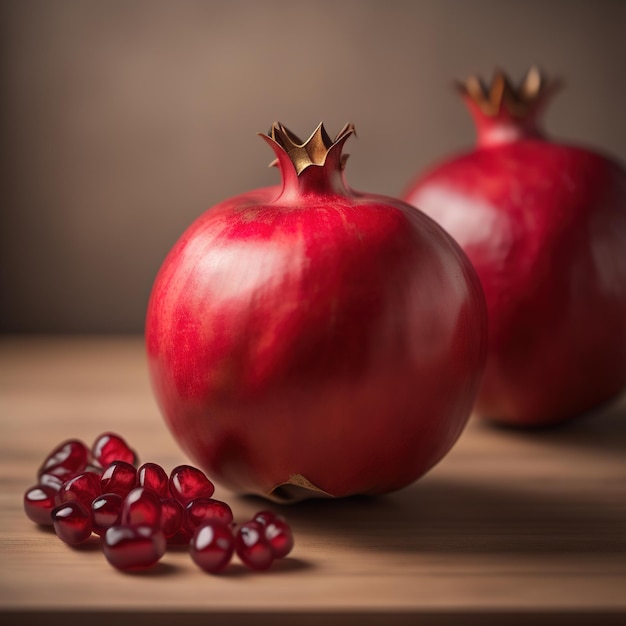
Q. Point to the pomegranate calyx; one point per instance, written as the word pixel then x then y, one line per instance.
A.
pixel 504 113
pixel 297 488
pixel 313 151
pixel 501 94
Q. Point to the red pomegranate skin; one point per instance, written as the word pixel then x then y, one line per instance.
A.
pixel 309 331
pixel 544 224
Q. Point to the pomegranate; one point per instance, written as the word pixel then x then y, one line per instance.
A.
pixel 545 226
pixel 307 339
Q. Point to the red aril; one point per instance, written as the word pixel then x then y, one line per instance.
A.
pixel 309 338
pixel 172 514
pixel 67 460
pixel 252 547
pixel 106 511
pixel 212 546
pixel 119 477
pixel 202 510
pixel 279 536
pixel 82 488
pixel 72 522
pixel 142 507
pixel 38 504
pixel 133 547
pixel 109 447
pixel 153 476
pixel 265 517
pixel 188 483
pixel 544 224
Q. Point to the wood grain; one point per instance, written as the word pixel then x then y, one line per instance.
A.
pixel 511 527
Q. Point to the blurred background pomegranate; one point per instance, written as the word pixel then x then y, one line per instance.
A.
pixel 544 223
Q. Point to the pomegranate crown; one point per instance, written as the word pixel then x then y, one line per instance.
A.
pixel 314 151
pixel 502 96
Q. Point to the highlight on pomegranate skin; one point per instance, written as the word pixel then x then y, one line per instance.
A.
pixel 353 307
pixel 544 224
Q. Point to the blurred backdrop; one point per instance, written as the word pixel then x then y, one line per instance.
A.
pixel 122 121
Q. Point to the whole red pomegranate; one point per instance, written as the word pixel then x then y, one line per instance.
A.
pixel 309 339
pixel 545 226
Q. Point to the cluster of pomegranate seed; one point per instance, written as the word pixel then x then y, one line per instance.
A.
pixel 138 511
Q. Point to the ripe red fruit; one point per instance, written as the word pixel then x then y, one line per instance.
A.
pixel 106 511
pixel 544 224
pixel 278 534
pixel 153 476
pixel 172 513
pixel 188 483
pixel 119 477
pixel 203 510
pixel 133 547
pixel 307 337
pixel 38 504
pixel 109 447
pixel 212 546
pixel 252 547
pixel 265 517
pixel 82 488
pixel 142 507
pixel 72 522
pixel 67 460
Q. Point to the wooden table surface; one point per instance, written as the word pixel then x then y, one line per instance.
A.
pixel 512 527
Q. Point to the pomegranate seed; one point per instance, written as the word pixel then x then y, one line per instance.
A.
pixel 67 460
pixel 252 547
pixel 109 447
pixel 212 546
pixel 133 547
pixel 72 522
pixel 119 477
pixel 82 488
pixel 153 476
pixel 38 504
pixel 181 538
pixel 188 483
pixel 52 481
pixel 205 510
pixel 265 517
pixel 106 511
pixel 142 507
pixel 279 535
pixel 171 517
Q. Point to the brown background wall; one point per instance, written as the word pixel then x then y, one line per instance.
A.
pixel 122 120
